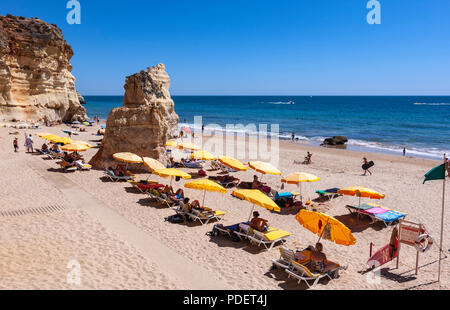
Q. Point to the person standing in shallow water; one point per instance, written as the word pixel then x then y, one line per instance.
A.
pixel 404 152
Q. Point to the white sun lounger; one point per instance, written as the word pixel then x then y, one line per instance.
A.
pixel 198 215
pixel 286 256
pixel 270 238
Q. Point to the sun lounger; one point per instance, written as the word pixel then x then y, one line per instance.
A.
pixel 85 167
pixel 67 167
pixel 287 256
pixel 205 217
pixel 158 197
pixel 244 231
pixel 229 231
pixel 269 238
pixel 377 213
pixel 328 194
pixel 46 152
pixel 302 273
pixel 54 155
pixel 192 165
pixel 145 186
pixel 110 174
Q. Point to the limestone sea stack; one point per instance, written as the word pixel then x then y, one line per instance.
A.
pixel 36 83
pixel 144 123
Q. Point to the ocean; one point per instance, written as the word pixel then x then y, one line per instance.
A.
pixel 371 123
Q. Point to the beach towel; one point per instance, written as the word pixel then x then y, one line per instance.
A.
pixel 376 210
pixel 390 216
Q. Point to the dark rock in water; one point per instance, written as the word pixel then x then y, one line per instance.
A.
pixel 336 141
pixel 81 98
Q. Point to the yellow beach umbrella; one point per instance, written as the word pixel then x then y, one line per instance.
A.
pixel 81 142
pixel 256 197
pixel 299 178
pixel 233 163
pixel 264 167
pixel 203 155
pixel 62 140
pixel 326 227
pixel 50 137
pixel 172 172
pixel 361 192
pixel 75 147
pixel 205 185
pixel 42 134
pixel 188 146
pixel 171 143
pixel 153 164
pixel 128 158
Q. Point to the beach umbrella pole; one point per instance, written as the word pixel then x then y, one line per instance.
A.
pixel 204 194
pixel 442 223
pixel 253 207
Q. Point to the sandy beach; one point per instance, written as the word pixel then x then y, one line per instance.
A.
pixel 122 241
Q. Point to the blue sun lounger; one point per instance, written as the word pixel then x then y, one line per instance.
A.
pixel 377 213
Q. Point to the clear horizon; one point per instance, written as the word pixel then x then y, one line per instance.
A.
pixel 257 48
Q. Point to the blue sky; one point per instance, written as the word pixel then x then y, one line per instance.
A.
pixel 246 47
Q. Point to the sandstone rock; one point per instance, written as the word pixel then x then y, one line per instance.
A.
pixel 144 123
pixel 336 141
pixel 36 84
pixel 81 98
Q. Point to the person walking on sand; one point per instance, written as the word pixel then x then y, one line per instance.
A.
pixel 29 144
pixel 366 166
pixel 16 145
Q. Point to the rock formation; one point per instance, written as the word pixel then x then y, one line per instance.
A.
pixel 336 141
pixel 144 123
pixel 36 84
pixel 81 98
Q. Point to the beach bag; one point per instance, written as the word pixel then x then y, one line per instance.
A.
pixel 176 218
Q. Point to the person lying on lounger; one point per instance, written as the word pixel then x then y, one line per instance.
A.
pixel 121 171
pixel 44 148
pixel 55 148
pixel 224 178
pixel 258 223
pixel 68 157
pixel 256 184
pixel 179 196
pixel 205 211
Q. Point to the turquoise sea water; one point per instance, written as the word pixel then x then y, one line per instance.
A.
pixel 371 123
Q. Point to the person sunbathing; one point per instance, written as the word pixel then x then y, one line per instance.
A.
pixel 184 206
pixel 55 148
pixel 224 178
pixel 258 223
pixel 121 171
pixel 319 262
pixel 68 157
pixel 256 184
pixel 44 148
pixel 179 196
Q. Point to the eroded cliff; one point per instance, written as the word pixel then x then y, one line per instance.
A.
pixel 36 83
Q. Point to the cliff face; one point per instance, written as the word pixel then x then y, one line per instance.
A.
pixel 36 84
pixel 144 123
